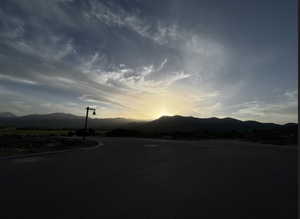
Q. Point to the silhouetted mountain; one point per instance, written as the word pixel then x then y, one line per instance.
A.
pixel 192 124
pixel 180 127
pixel 176 127
pixel 61 120
pixel 7 115
pixel 51 116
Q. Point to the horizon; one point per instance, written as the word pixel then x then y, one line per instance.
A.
pixel 141 60
pixel 146 120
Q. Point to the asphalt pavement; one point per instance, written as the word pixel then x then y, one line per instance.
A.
pixel 148 178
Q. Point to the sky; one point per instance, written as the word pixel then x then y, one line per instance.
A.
pixel 142 59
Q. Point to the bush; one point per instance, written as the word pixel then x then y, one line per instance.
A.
pixel 70 134
pixel 83 132
pixel 123 133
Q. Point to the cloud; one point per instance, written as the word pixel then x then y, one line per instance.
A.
pixel 284 110
pixel 46 11
pixel 49 48
pixel 137 78
pixel 292 95
pixel 117 54
pixel 90 99
pixel 162 65
pixel 12 27
pixel 17 80
pixel 115 16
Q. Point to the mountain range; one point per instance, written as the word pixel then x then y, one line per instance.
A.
pixel 59 121
pixel 174 127
pixel 163 124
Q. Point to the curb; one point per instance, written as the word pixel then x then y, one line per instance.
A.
pixel 51 152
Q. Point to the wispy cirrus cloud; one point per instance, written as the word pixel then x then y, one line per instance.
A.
pixel 16 79
pixel 126 56
pixel 284 109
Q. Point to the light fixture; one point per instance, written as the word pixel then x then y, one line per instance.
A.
pixel 86 119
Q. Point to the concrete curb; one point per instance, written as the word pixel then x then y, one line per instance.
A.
pixel 51 152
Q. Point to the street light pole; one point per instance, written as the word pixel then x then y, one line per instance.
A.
pixel 86 119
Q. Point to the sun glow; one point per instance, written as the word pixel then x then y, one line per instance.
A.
pixel 149 106
pixel 153 105
pixel 162 112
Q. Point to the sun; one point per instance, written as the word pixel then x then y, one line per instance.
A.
pixel 163 111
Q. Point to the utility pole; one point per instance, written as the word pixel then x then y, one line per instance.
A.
pixel 86 120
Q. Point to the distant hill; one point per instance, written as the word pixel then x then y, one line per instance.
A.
pixel 191 124
pixel 7 115
pixel 180 127
pixel 175 127
pixel 162 124
pixel 59 121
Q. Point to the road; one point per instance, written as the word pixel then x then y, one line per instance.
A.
pixel 147 178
